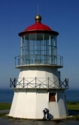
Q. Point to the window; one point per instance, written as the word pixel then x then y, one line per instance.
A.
pixel 52 97
pixel 40 48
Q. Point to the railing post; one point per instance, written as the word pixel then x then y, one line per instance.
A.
pixel 61 61
pixel 59 83
pixel 14 82
pixel 10 82
pixel 48 82
pixel 18 61
pixel 39 85
pixel 23 81
pixel 35 82
pixel 66 83
pixel 15 61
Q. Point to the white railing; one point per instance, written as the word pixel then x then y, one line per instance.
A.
pixel 39 83
pixel 23 60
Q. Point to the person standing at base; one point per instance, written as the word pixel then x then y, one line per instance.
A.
pixel 46 113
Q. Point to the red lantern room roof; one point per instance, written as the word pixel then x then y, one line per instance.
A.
pixel 38 27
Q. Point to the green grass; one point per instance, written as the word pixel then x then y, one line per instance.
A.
pixel 4 106
pixel 70 106
pixel 73 105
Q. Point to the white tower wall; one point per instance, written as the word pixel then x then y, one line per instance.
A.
pixel 31 103
pixel 41 73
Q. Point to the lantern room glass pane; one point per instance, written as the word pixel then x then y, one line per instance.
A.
pixel 38 48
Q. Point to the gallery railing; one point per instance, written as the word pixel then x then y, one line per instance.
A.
pixel 52 60
pixel 39 83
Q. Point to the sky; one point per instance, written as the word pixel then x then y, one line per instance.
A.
pixel 60 15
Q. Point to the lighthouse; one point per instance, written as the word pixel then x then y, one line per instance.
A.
pixel 39 83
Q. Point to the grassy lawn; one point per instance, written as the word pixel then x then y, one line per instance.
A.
pixel 70 106
pixel 4 106
pixel 73 105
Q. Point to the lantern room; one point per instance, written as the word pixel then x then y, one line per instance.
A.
pixel 38 46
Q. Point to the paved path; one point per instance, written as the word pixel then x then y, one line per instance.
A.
pixel 10 121
pixel 4 111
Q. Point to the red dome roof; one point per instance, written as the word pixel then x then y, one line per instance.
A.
pixel 38 27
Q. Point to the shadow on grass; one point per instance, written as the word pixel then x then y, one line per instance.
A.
pixel 73 112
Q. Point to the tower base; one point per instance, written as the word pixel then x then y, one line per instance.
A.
pixel 30 103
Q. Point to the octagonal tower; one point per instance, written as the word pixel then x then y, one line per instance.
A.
pixel 39 84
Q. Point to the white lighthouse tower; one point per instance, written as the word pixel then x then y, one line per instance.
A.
pixel 39 85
